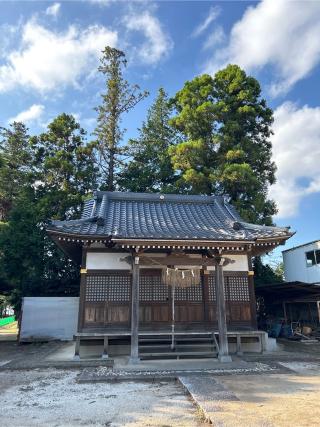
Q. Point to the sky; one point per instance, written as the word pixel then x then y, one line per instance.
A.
pixel 49 54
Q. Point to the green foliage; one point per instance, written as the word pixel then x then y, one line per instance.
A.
pixel 227 148
pixel 244 126
pixel 64 167
pixel 59 175
pixel 264 274
pixel 15 164
pixel 194 159
pixel 150 169
pixel 32 264
pixel 120 97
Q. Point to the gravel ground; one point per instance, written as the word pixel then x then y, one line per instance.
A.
pixel 54 398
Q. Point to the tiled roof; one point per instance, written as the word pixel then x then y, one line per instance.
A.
pixel 155 216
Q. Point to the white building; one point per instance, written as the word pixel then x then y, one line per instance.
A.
pixel 302 263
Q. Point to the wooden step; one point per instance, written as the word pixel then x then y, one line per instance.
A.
pixel 177 346
pixel 175 354
pixel 177 339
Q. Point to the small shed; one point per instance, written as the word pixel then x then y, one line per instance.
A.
pixel 290 301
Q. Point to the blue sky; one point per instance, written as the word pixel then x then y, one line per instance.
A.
pixel 49 55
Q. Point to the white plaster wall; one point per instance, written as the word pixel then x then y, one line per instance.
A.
pixel 240 264
pixel 107 261
pixel 49 318
pixel 112 261
pixel 295 266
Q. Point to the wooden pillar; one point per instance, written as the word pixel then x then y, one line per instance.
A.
pixel 252 294
pixel 134 355
pixel 83 277
pixel 205 293
pixel 81 309
pixel 221 312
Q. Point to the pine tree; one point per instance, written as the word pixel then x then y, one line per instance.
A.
pixel 64 167
pixel 227 126
pixel 120 97
pixel 15 165
pixel 243 137
pixel 150 169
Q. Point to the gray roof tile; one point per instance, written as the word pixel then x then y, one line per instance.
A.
pixel 155 216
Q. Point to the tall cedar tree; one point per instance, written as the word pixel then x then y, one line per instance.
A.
pixel 15 165
pixel 227 148
pixel 120 97
pixel 65 167
pixel 150 168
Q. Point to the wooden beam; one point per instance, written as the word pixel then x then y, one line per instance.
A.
pixel 175 260
pixel 182 244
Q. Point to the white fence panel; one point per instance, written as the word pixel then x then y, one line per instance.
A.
pixel 49 318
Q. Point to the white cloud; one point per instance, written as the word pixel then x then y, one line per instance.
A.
pixel 101 2
pixel 30 115
pixel 47 60
pixel 214 12
pixel 215 38
pixel 157 44
pixel 53 10
pixel 281 34
pixel 296 151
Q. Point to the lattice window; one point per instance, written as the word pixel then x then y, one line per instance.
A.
pixel 192 293
pixel 151 289
pixel 238 288
pixel 113 288
pixel 211 287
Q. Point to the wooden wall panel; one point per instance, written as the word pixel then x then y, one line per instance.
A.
pixel 107 300
pixel 115 314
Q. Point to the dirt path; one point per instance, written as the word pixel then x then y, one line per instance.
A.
pixel 282 400
pixel 54 398
pixel 9 332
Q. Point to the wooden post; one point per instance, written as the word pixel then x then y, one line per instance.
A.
pixel 81 310
pixel 83 276
pixel 205 293
pixel 221 311
pixel 134 356
pixel 253 303
pixel 285 312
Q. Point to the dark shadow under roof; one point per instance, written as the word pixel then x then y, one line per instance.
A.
pixel 289 291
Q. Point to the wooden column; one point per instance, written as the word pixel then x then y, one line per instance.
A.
pixel 134 355
pixel 253 303
pixel 205 284
pixel 81 313
pixel 83 277
pixel 221 311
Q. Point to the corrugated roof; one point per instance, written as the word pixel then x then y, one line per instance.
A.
pixel 157 216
